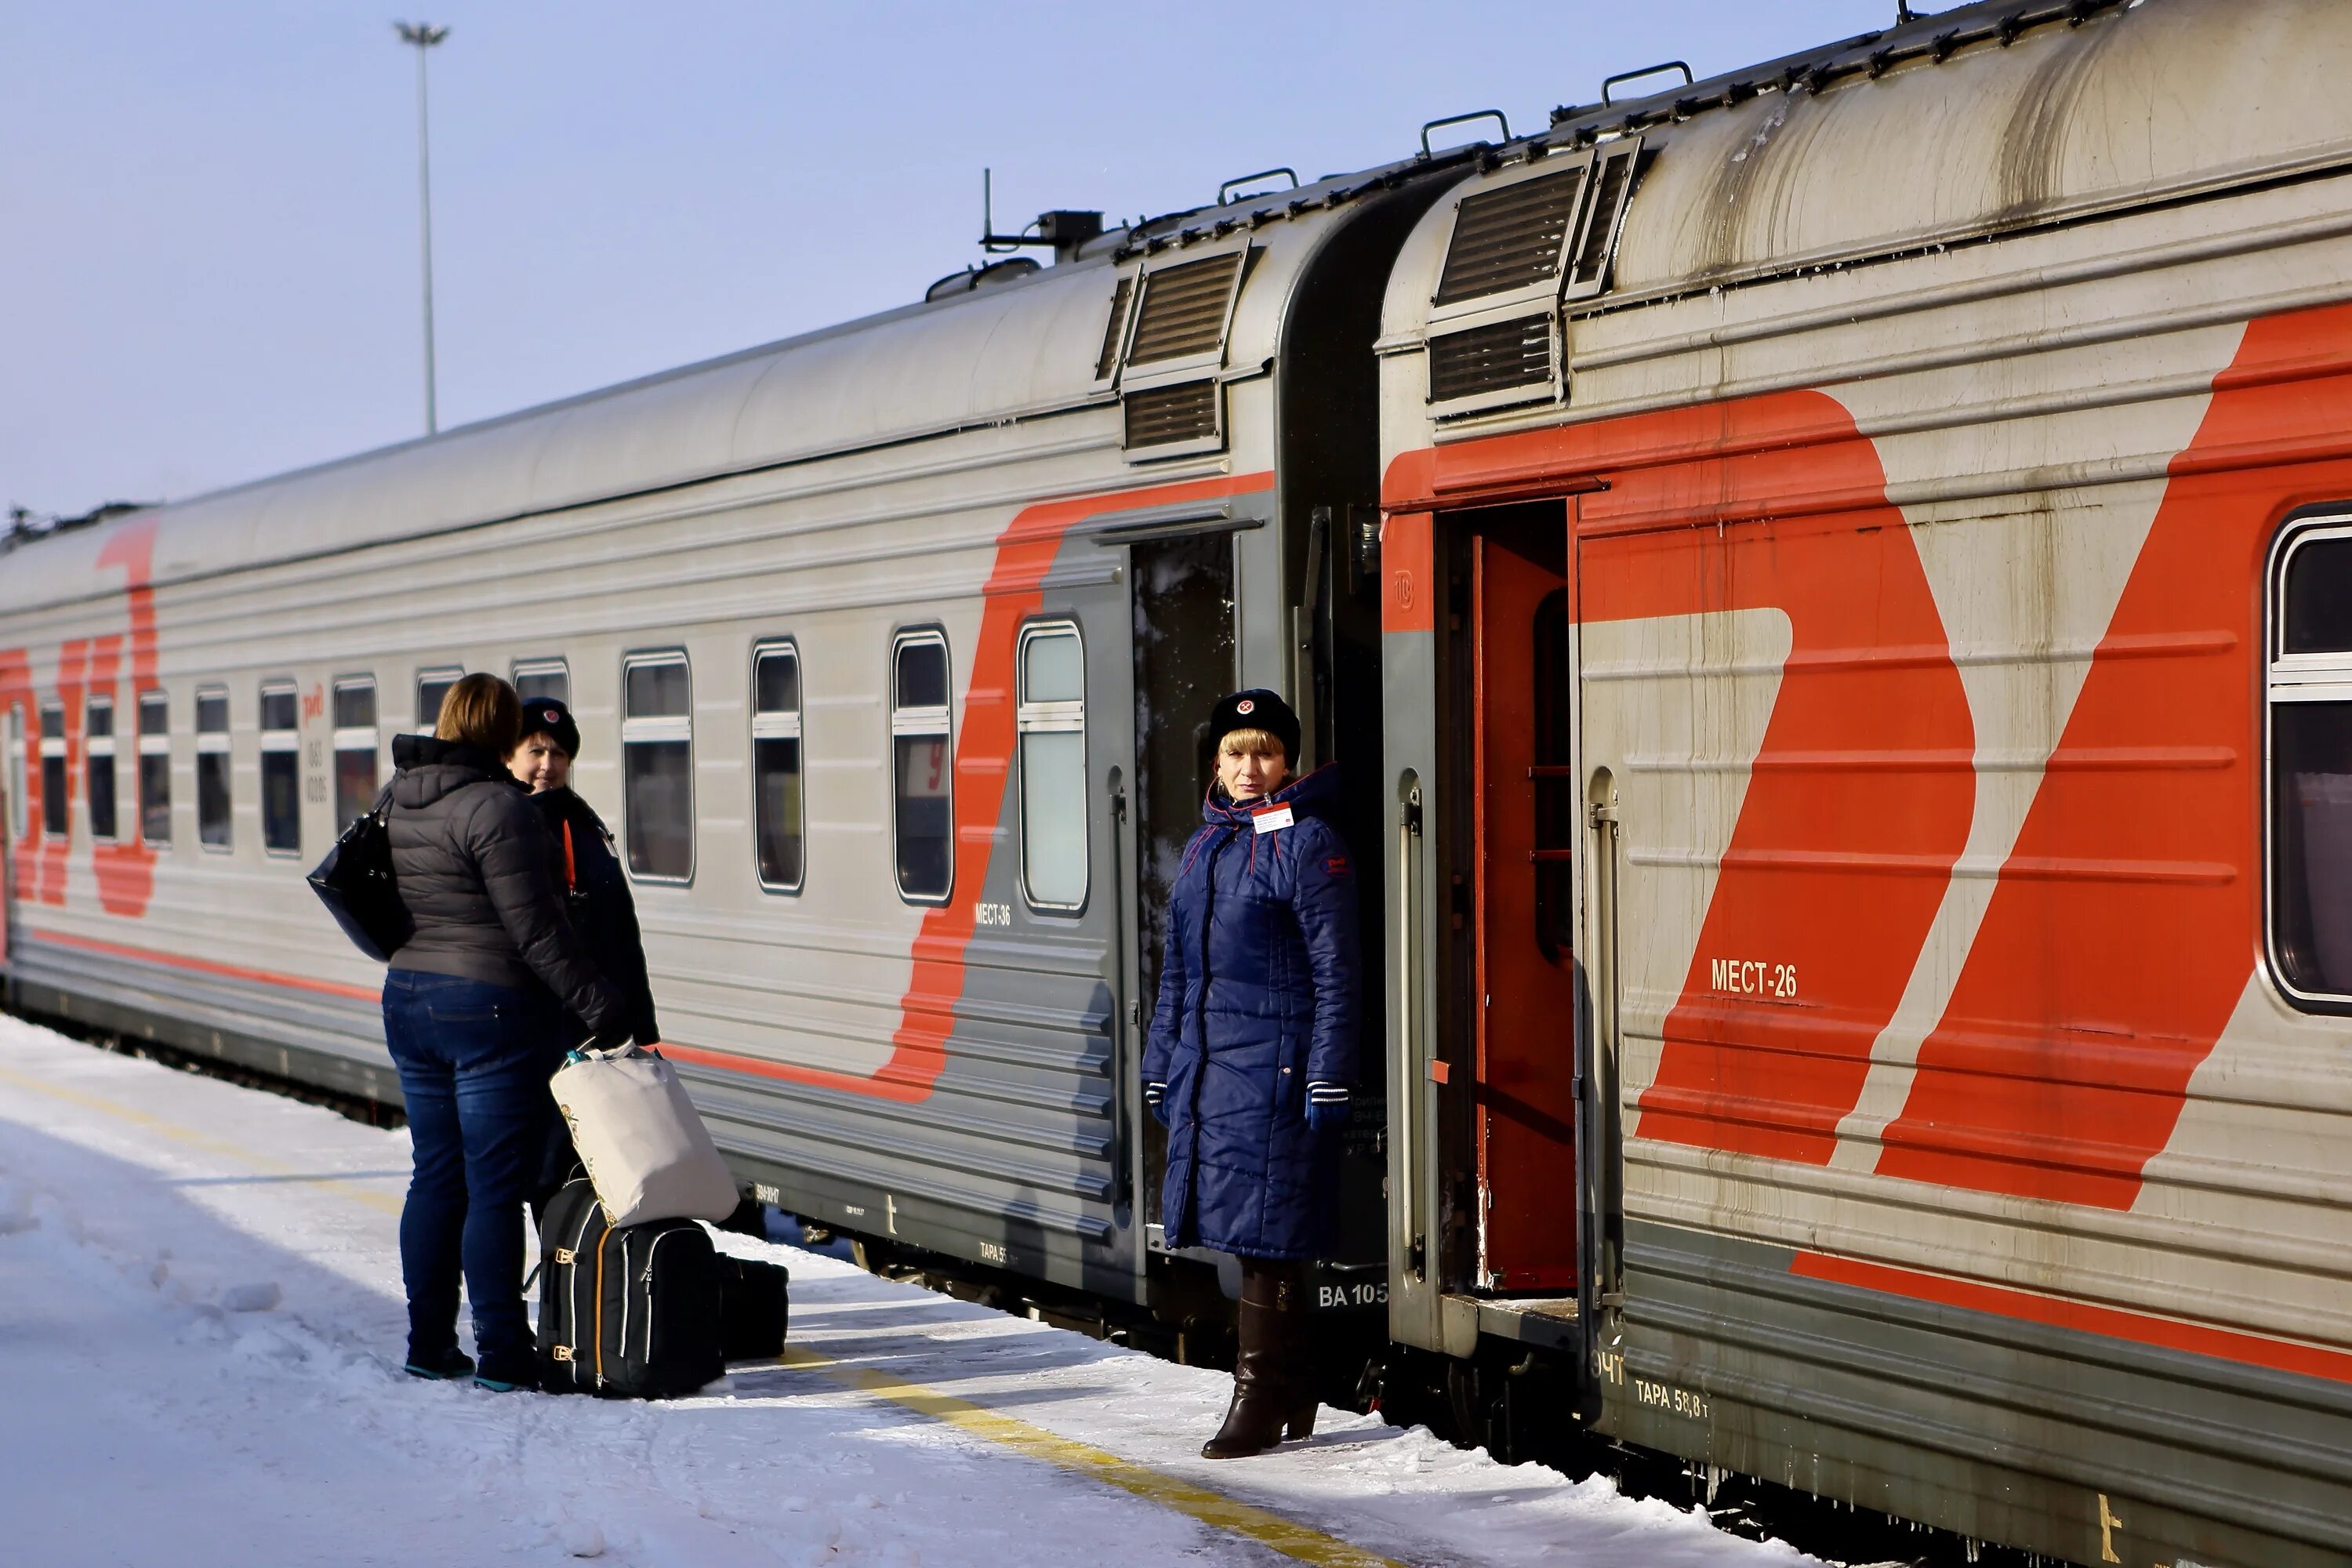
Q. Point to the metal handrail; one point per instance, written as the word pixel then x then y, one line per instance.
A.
pixel 1226 192
pixel 1495 115
pixel 1621 76
pixel 1406 1111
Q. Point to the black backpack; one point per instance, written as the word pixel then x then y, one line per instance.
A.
pixel 629 1313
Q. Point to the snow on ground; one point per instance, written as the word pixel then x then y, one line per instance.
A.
pixel 200 1341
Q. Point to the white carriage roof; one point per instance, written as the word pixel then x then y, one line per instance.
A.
pixel 993 355
pixel 1991 118
pixel 1960 127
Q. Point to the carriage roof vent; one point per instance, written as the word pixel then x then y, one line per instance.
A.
pixel 1510 238
pixel 1166 416
pixel 1184 309
pixel 1492 359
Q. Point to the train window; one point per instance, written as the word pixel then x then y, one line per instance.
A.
pixel 1052 724
pixel 154 769
pixel 536 678
pixel 281 769
pixel 922 767
pixel 213 793
pixel 2310 719
pixel 98 764
pixel 776 802
pixel 355 747
pixel 54 823
pixel 15 739
pixel 657 765
pixel 432 686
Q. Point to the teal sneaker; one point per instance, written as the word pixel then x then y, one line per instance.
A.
pixel 446 1367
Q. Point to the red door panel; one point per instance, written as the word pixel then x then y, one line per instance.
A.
pixel 1526 1032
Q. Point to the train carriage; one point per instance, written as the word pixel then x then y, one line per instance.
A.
pixel 1829 590
pixel 1878 655
pixel 892 643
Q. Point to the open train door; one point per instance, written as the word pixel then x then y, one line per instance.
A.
pixel 1180 604
pixel 1526 813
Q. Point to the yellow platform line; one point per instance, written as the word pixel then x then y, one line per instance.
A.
pixel 1213 1509
pixel 194 1139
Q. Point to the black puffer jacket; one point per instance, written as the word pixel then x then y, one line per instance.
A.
pixel 483 881
pixel 602 911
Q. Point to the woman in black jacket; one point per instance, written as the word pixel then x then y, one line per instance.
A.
pixel 601 908
pixel 477 1010
pixel 598 897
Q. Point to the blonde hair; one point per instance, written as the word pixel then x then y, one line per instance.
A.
pixel 480 711
pixel 1237 741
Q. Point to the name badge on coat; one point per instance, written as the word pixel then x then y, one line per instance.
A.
pixel 1268 821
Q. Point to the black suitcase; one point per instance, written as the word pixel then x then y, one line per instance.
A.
pixel 632 1313
pixel 755 1305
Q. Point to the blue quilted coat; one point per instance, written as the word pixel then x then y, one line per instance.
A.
pixel 1257 998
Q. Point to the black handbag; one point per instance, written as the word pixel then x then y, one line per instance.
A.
pixel 355 882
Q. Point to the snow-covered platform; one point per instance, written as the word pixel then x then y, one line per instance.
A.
pixel 200 1338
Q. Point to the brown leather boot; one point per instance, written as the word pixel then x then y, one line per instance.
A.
pixel 1262 1404
pixel 1293 1353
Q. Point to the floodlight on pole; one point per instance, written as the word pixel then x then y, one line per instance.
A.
pixel 423 35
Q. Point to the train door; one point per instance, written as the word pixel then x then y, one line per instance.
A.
pixel 12 816
pixel 1525 818
pixel 1182 604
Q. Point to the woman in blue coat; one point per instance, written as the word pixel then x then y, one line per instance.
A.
pixel 1253 1049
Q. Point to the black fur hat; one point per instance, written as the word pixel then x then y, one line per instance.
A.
pixel 1255 708
pixel 546 716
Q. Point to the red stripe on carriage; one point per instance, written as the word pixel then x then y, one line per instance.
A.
pixel 1839 858
pixel 984 746
pixel 2080 1317
pixel 206 965
pixel 2123 932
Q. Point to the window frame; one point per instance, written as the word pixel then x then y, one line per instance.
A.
pixel 278 743
pixel 522 670
pixel 780 726
pixel 95 746
pixel 153 743
pixel 1050 719
pixel 216 743
pixel 655 730
pixel 342 738
pixel 917 722
pixel 2306 677
pixel 428 674
pixel 54 748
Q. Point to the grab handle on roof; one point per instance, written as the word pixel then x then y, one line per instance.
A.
pixel 1494 114
pixel 1226 192
pixel 1623 77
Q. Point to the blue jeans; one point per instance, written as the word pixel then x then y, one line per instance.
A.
pixel 474 1062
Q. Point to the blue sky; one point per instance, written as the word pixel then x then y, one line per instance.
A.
pixel 209 262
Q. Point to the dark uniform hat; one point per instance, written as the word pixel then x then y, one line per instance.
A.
pixel 546 716
pixel 1255 708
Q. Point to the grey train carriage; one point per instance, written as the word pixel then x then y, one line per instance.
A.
pixel 1821 585
pixel 893 645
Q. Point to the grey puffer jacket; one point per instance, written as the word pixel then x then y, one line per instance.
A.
pixel 477 871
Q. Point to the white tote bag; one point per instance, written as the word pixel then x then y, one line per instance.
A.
pixel 647 1153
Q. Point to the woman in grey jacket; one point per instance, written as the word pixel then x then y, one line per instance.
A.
pixel 475 1011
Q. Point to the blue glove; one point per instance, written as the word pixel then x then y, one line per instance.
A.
pixel 1327 1106
pixel 1155 1101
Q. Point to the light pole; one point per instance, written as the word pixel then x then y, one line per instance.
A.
pixel 424 35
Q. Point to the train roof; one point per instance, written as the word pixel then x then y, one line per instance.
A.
pixel 1956 129
pixel 986 357
pixel 1992 118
